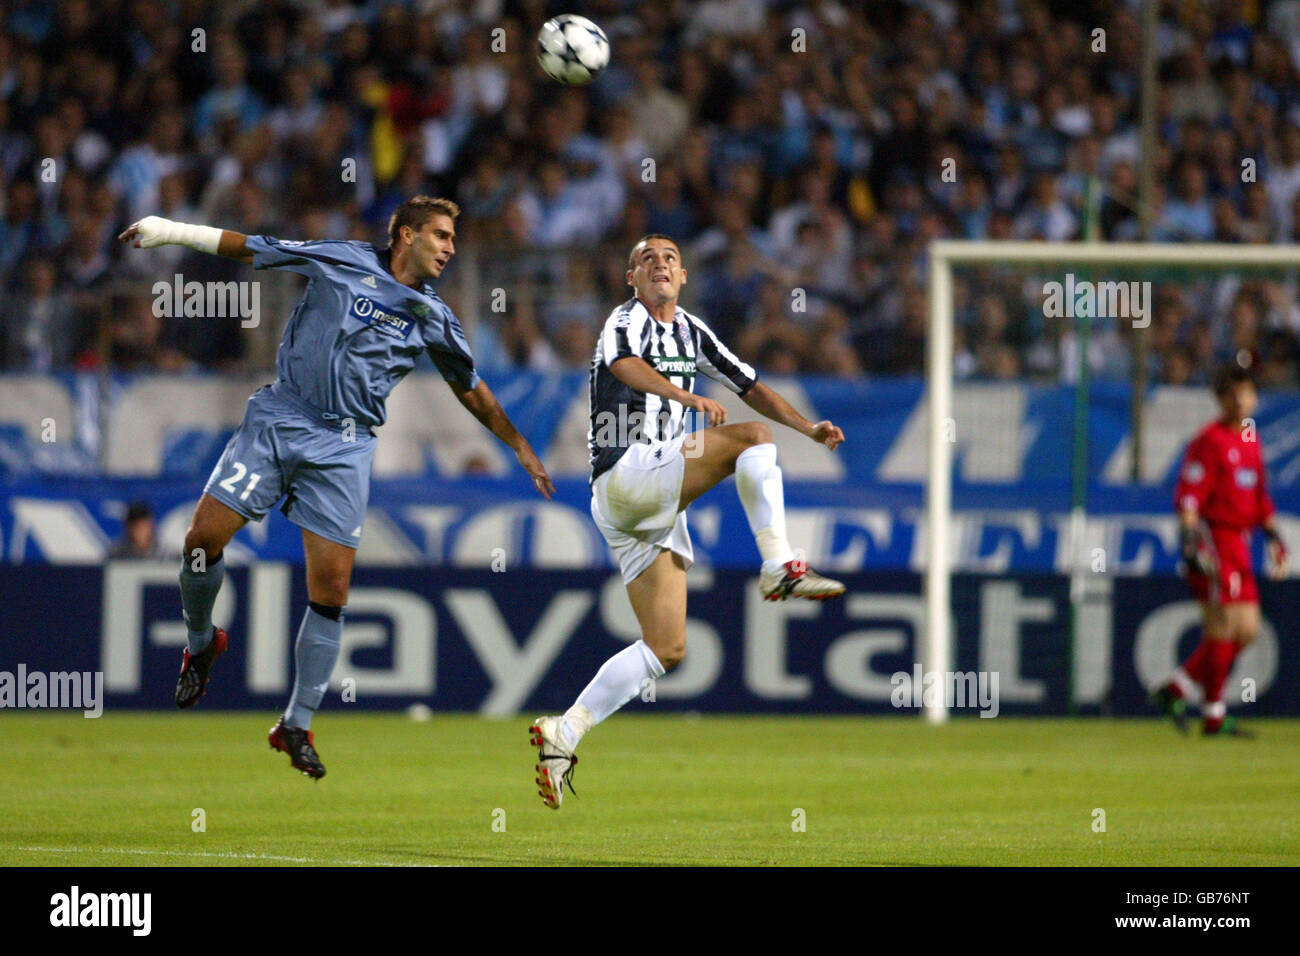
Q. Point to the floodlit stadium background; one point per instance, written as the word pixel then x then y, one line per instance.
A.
pixel 804 155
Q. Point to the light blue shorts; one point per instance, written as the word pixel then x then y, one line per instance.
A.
pixel 285 448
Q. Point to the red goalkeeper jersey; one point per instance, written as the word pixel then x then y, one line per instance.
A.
pixel 1223 478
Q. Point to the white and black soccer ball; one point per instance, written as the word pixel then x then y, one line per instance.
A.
pixel 572 49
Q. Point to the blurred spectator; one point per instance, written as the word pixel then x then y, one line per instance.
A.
pixel 1048 217
pixel 659 115
pixel 20 228
pixel 85 260
pixel 559 212
pixel 43 333
pixel 231 99
pixel 1188 214
pixel 139 539
pixel 138 173
pixel 1283 180
pixel 667 210
pixel 1278 367
pixel 1179 367
pixel 522 341
pixel 135 336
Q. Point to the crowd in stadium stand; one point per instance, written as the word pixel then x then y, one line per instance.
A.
pixel 803 152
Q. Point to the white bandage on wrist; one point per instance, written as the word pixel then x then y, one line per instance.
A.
pixel 157 231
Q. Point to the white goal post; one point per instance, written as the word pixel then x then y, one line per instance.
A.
pixel 936 648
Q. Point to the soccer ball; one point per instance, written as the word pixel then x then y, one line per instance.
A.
pixel 572 49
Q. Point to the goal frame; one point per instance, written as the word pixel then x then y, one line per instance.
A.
pixel 944 255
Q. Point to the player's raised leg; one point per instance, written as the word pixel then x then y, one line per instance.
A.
pixel 658 596
pixel 329 573
pixel 202 571
pixel 747 450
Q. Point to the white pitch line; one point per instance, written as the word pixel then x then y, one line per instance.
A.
pixel 225 855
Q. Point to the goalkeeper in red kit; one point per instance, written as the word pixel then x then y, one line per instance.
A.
pixel 1221 497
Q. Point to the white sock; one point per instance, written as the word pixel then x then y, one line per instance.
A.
pixel 1191 690
pixel 575 723
pixel 619 679
pixel 762 492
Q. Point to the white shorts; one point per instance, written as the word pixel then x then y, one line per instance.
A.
pixel 634 504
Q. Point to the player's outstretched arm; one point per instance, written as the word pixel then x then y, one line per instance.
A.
pixel 154 231
pixel 483 405
pixel 768 403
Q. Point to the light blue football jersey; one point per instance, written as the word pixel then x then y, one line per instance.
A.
pixel 357 331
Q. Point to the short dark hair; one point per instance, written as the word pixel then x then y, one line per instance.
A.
pixel 1230 375
pixel 631 262
pixel 416 211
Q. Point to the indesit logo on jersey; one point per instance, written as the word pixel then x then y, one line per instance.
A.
pixel 390 323
pixel 674 366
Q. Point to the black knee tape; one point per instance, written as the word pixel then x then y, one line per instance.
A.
pixel 327 610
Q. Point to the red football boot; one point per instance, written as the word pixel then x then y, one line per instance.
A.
pixel 196 668
pixel 300 745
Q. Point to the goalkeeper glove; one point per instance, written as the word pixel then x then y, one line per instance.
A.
pixel 1194 558
pixel 1277 554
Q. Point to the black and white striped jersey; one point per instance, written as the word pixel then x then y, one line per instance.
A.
pixel 622 416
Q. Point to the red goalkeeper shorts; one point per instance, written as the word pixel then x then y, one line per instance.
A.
pixel 1233 581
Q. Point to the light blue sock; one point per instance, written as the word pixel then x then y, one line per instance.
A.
pixel 198 594
pixel 316 653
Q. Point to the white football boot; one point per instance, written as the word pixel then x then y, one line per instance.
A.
pixel 555 761
pixel 796 579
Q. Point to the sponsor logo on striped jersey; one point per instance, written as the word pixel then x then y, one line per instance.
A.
pixel 675 365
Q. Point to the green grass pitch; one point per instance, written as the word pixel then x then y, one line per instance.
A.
pixel 654 789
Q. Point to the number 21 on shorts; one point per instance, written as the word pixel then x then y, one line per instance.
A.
pixel 228 484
